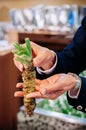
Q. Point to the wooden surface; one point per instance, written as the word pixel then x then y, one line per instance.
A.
pixel 30 3
pixel 9 105
pixel 52 40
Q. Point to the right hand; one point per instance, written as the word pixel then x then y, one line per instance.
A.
pixel 50 88
pixel 42 57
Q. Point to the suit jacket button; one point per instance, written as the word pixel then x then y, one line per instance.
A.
pixel 79 107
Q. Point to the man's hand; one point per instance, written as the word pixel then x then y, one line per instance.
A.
pixel 50 88
pixel 42 57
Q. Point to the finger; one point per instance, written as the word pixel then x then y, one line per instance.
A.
pixel 37 81
pixel 20 67
pixel 19 94
pixel 37 87
pixel 18 64
pixel 41 84
pixel 34 95
pixel 63 83
pixel 53 86
pixel 40 60
pixel 19 85
pixel 50 89
pixel 35 49
pixel 53 95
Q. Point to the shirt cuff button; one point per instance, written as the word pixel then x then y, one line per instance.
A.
pixel 79 107
pixel 85 109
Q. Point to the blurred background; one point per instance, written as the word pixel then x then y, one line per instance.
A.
pixel 48 23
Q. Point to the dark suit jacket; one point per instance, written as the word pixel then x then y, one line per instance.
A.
pixel 73 59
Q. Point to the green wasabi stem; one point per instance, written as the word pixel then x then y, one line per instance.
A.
pixel 23 52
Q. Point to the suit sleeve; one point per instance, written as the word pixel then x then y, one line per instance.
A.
pixel 73 59
pixel 80 102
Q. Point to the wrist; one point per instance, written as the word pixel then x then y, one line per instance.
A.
pixel 73 93
pixel 51 69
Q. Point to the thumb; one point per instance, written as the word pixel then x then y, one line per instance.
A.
pixel 37 61
pixel 43 91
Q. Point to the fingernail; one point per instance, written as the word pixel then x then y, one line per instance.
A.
pixel 16 85
pixel 20 67
pixel 15 94
pixel 27 96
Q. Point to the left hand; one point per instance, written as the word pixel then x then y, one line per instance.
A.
pixel 42 57
pixel 50 88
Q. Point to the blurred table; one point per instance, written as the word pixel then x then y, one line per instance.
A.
pixel 53 40
pixel 9 105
